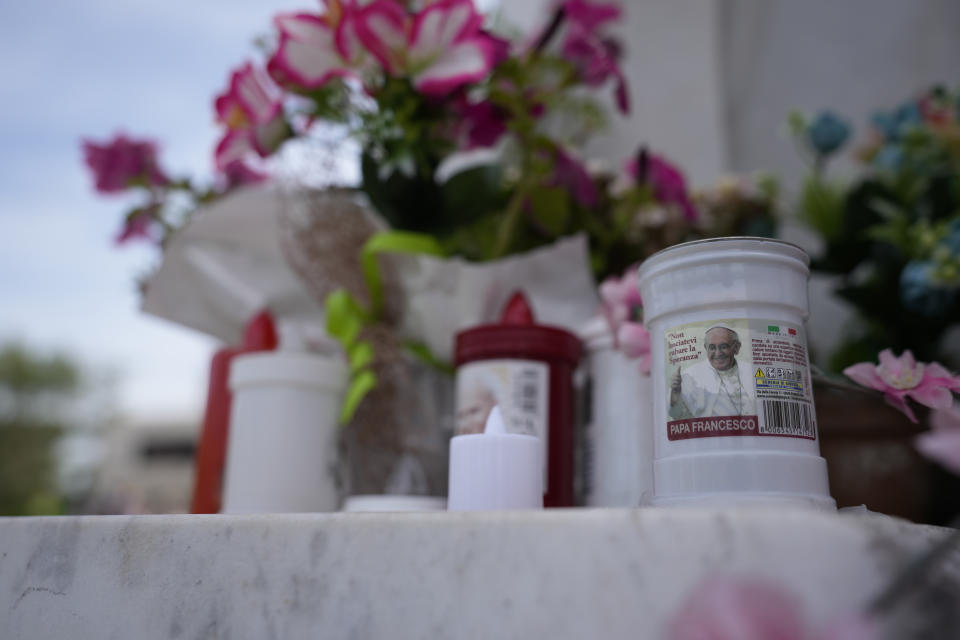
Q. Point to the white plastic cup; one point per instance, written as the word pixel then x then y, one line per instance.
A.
pixel 281 451
pixel 618 456
pixel 741 426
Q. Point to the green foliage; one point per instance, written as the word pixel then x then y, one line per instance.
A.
pixel 347 317
pixel 32 389
pixel 821 206
pixel 893 235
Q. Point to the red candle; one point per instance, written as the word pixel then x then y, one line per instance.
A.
pixel 527 369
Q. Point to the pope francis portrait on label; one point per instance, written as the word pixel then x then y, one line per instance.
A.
pixel 717 386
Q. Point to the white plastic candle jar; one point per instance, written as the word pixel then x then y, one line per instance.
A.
pixel 734 418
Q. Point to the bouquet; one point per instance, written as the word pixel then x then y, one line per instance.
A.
pixel 893 234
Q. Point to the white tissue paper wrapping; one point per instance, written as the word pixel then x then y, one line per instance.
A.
pixel 227 264
pixel 445 296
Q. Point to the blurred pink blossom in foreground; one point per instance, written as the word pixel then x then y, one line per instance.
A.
pixel 899 378
pixel 123 163
pixel 942 442
pixel 736 608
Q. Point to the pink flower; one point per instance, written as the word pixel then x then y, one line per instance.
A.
pixel 903 377
pixel 252 110
pixel 623 308
pixel 667 181
pixel 724 608
pixel 140 224
pixel 482 122
pixel 589 15
pixel 315 49
pixel 441 48
pixel 122 163
pixel 596 57
pixel 569 173
pixel 251 99
pixel 942 442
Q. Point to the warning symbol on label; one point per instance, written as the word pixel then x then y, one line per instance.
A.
pixel 759 373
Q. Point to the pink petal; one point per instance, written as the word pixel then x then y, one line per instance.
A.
pixel 942 446
pixel 937 372
pixel 895 399
pixel 738 609
pixel 348 42
pixel 590 15
pixel 865 374
pixel 307 64
pixel 613 291
pixel 382 28
pixel 234 146
pixel 442 24
pixel 932 395
pixel 461 64
pixel 256 94
pixel 633 339
pixel 305 27
pixel 892 363
pixel 572 175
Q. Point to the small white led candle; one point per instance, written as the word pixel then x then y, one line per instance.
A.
pixel 495 470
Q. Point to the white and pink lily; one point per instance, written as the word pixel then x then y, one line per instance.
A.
pixel 252 110
pixel 441 48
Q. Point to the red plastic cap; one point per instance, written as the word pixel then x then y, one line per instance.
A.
pixel 533 342
pixel 517 311
pixel 260 333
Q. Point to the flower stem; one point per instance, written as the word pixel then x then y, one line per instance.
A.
pixel 509 223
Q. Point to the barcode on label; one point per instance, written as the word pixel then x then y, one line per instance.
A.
pixel 529 391
pixel 786 418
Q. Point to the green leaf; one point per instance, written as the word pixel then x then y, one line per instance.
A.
pixel 345 317
pixel 360 356
pixel 360 385
pixel 821 206
pixel 551 209
pixel 391 242
pixel 423 352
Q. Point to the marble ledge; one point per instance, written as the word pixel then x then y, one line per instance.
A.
pixel 574 573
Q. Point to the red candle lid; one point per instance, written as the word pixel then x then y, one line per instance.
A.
pixel 517 336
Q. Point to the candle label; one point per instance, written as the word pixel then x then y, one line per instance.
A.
pixel 738 377
pixel 520 387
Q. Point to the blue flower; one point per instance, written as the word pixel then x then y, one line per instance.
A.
pixel 827 133
pixel 892 125
pixel 889 157
pixel 918 291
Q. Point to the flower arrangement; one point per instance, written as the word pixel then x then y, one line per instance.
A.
pixel 892 235
pixel 466 143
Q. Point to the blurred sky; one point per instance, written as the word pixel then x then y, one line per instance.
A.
pixel 90 69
